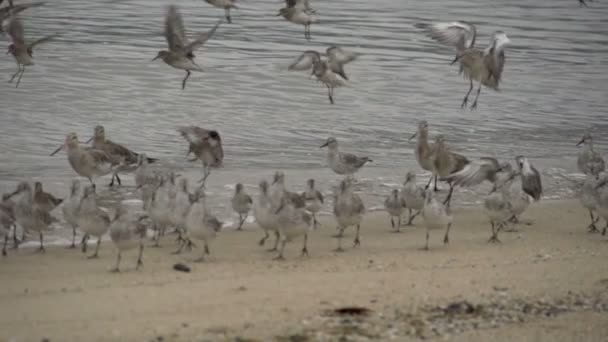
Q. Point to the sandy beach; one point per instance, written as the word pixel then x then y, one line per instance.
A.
pixel 546 282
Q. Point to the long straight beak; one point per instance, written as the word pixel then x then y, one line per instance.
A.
pixel 57 150
pixel 580 142
pixel 8 196
pixel 324 145
pixel 88 141
pixel 155 58
pixel 413 136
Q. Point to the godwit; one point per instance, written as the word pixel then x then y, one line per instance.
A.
pixel 298 16
pixel 394 205
pixel 589 161
pixel 22 51
pixel 436 216
pixel 127 233
pixel 424 150
pixel 200 224
pixel 206 145
pixel 45 200
pixel 226 5
pixel 181 52
pixel 92 220
pixel 86 161
pixel 340 162
pixel 348 210
pixel 124 156
pixel 70 209
pixel 446 162
pixel 264 216
pixel 29 215
pixel 314 200
pixel 241 203
pixel 293 221
pixel 413 195
pixel 484 66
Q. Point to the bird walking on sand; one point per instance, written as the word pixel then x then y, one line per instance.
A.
pixel 300 16
pixel 348 210
pixel 200 224
pixel 589 161
pixel 588 195
pixel 293 221
pixel 70 209
pixel 329 71
pixel 241 204
pixel 92 220
pixel 30 215
pixel 162 206
pixel 314 200
pixel 181 52
pixel 22 52
pixel 124 156
pixel 394 205
pixel 413 195
pixel 87 162
pixel 436 216
pixel 446 162
pixel 265 217
pixel 226 5
pixel 45 200
pixel 485 66
pixel 181 207
pixel 340 162
pixel 424 150
pixel 498 207
pixel 206 145
pixel 127 233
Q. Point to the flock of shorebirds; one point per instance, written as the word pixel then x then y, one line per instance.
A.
pixel 168 201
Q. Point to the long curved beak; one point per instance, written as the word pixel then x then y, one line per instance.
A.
pixel 324 145
pixel 57 150
pixel 580 142
pixel 413 136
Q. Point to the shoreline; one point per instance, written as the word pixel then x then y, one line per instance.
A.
pixel 241 291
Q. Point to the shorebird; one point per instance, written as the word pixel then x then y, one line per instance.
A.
pixel 127 233
pixel 293 221
pixel 29 215
pixel 143 174
pixel 200 224
pixel 589 161
pixel 413 195
pixel 7 220
pixel 424 150
pixel 278 191
pixel 45 200
pixel 87 162
pixel 181 52
pixel 241 203
pixel 485 66
pixel 70 209
pixel 182 204
pixel 92 220
pixel 162 206
pixel 206 145
pixel 436 216
pixel 446 162
pixel 22 51
pixel 329 71
pixel 530 178
pixel 264 216
pixel 122 155
pixel 348 210
pixel 340 162
pixel 498 207
pixel 588 195
pixel 226 5
pixel 394 205
pixel 10 10
pixel 314 200
pixel 299 16
pixel 8 206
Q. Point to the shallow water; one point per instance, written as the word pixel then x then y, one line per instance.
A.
pixel 99 72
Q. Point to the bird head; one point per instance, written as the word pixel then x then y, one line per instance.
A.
pixel 586 138
pixel 331 142
pixel 423 128
pixel 162 55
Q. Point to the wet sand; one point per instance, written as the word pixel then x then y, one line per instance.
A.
pixel 242 292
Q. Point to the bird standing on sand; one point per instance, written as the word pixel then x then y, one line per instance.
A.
pixel 293 221
pixel 241 203
pixel 314 200
pixel 436 216
pixel 29 214
pixel 413 195
pixel 226 5
pixel 446 162
pixel 127 233
pixel 340 162
pixel 92 220
pixel 206 145
pixel 589 161
pixel 348 210
pixel 180 54
pixel 265 217
pixel 22 51
pixel 424 150
pixel 70 209
pixel 200 224
pixel 485 66
pixel 498 207
pixel 394 205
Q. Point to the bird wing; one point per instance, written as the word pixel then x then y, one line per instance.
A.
pixel 459 34
pixel 174 29
pixel 248 199
pixel 495 64
pixel 101 156
pixel 43 40
pixel 352 159
pixel 202 38
pixel 194 134
pixel 532 185
pixel 475 172
pixel 305 60
pixel 319 195
pixel 358 206
pixel 14 29
pixel 596 163
pixel 336 54
pixel 119 151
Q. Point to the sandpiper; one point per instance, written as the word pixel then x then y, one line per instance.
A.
pixel 181 206
pixel 589 161
pixel 348 210
pixel 200 224
pixel 241 203
pixel 436 216
pixel 92 220
pixel 530 177
pixel 206 145
pixel 446 162
pixel 314 200
pixel 299 16
pixel 498 207
pixel 127 233
pixel 124 156
pixel 424 150
pixel 413 195
pixel 70 209
pixel 264 216
pixel 29 215
pixel 87 162
pixel 293 221
pixel 340 162
pixel 226 5
pixel 162 206
pixel 22 51
pixel 484 66
pixel 394 205
pixel 181 52
pixel 45 200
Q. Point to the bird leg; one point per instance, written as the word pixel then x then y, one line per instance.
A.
pixel 4 246
pixel 228 18
pixel 436 188
pixel 339 249
pixel 340 232
pixel 315 223
pixel 112 182
pixel 41 248
pixel 116 269
pixel 185 79
pixel 330 94
pixel 466 98
pixel 307 31
pixel 412 217
pixel 73 245
pixel 206 173
pixel 429 183
pixel 304 248
pixel 140 262
pixel 15 74
pixel 96 254
pixel 83 243
pixel 20 75
pixel 591 227
pixel 446 238
pixel 494 237
pixel 448 199
pixel 276 242
pixel 605 229
pixel 15 239
pixel 392 223
pixel 118 179
pixel 474 106
pixel 357 242
pixel 426 246
pixel 242 219
pixel 280 256
pixel 399 224
pixel 263 240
